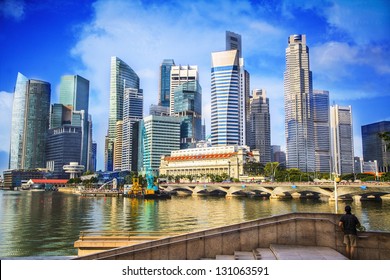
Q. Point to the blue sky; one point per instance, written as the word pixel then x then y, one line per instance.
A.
pixel 348 40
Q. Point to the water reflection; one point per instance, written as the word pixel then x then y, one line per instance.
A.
pixel 48 223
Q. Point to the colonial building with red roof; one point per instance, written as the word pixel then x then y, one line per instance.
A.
pixel 211 160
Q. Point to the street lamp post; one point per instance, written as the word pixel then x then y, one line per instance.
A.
pixel 335 193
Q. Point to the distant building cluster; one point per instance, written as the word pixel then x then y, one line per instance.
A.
pixel 319 136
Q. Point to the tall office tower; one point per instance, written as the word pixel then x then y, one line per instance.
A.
pixel 118 146
pixel 180 75
pixel 121 77
pixel 165 82
pixel 374 147
pixel 298 89
pixel 74 96
pixel 158 136
pixel 30 122
pixel 260 125
pixel 188 107
pixel 94 157
pixel 133 105
pixel 63 146
pixel 342 139
pixel 321 130
pixel 225 95
pixel 233 42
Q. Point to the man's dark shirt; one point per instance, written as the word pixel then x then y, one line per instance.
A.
pixel 349 223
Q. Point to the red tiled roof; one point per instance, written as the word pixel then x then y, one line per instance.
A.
pixel 200 157
pixel 49 181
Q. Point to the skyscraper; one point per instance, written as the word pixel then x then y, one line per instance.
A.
pixel 121 77
pixel 188 107
pixel 165 82
pixel 30 122
pixel 298 106
pixel 180 75
pixel 321 130
pixel 158 136
pixel 374 147
pixel 342 139
pixel 233 42
pixel 225 98
pixel 260 125
pixel 132 112
pixel 74 94
pixel 63 147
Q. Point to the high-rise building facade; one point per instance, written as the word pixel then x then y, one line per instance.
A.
pixel 132 112
pixel 63 147
pixel 342 139
pixel 260 125
pixel 74 96
pixel 180 75
pixel 158 136
pixel 321 130
pixel 374 147
pixel 118 146
pixel 30 122
pixel 165 82
pixel 225 98
pixel 233 42
pixel 299 128
pixel 188 107
pixel 121 76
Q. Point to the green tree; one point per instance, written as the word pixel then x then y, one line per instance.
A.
pixel 253 168
pixel 270 170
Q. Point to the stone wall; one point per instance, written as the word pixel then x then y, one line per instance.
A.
pixel 311 229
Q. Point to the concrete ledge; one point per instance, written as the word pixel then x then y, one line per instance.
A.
pixel 309 229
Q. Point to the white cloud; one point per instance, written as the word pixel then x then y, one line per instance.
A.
pixel 5 117
pixel 13 9
pixel 364 21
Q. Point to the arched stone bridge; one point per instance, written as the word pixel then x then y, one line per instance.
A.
pixel 283 190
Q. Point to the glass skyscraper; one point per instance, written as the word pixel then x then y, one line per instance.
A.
pixel 233 42
pixel 30 122
pixel 225 96
pixel 158 136
pixel 74 94
pixel 342 139
pixel 180 75
pixel 165 82
pixel 374 147
pixel 260 125
pixel 188 106
pixel 321 130
pixel 299 127
pixel 133 104
pixel 121 76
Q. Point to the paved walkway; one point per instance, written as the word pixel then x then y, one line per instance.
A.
pixel 294 252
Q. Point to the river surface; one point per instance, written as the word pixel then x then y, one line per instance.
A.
pixel 48 223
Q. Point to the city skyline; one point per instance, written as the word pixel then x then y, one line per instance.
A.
pixel 347 58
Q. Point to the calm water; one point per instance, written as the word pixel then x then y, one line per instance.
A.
pixel 48 223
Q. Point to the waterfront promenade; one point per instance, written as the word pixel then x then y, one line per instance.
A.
pixel 291 236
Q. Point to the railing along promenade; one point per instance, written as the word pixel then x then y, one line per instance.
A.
pixel 298 229
pixel 285 189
